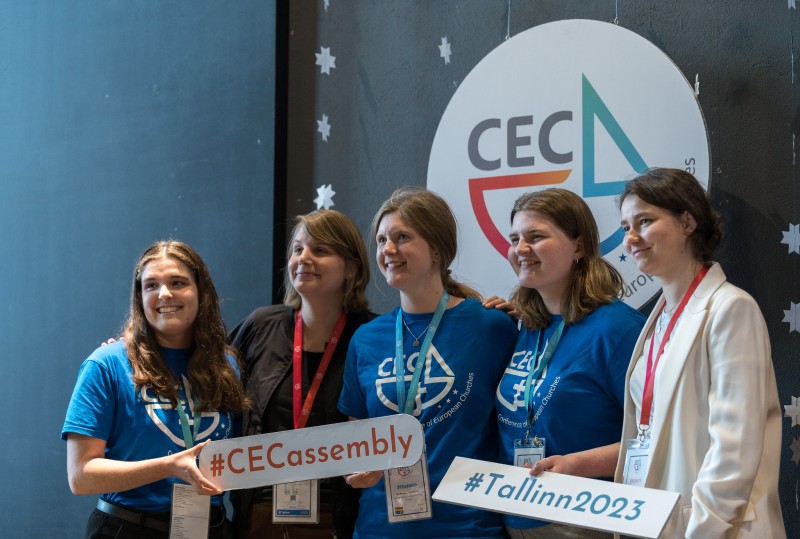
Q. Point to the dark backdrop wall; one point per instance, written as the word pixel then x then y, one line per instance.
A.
pixel 389 86
pixel 121 123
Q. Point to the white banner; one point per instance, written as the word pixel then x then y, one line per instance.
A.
pixel 590 503
pixel 579 104
pixel 313 453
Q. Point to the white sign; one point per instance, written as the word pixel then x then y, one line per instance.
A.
pixel 313 453
pixel 589 503
pixel 578 104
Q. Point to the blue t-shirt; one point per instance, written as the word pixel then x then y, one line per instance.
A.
pixel 137 425
pixel 464 364
pixel 578 402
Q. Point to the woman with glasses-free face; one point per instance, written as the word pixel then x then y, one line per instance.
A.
pixel 573 347
pixel 326 276
pixel 405 259
pixel 658 239
pixel 170 301
pixel 457 347
pixel 542 256
pixel 703 352
pixel 316 270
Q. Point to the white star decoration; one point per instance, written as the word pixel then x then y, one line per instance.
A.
pixel 324 128
pixel 324 197
pixel 792 316
pixel 795 447
pixel 792 4
pixel 325 61
pixel 444 50
pixel 791 238
pixel 326 3
pixel 792 410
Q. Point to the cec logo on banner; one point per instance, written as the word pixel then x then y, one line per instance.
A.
pixel 578 104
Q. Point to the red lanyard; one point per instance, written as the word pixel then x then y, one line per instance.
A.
pixel 301 415
pixel 649 380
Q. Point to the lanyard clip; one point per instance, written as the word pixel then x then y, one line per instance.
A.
pixel 644 432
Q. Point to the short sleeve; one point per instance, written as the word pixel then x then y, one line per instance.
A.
pixel 352 401
pixel 93 402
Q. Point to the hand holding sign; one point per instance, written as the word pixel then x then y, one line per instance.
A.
pixel 313 453
pixel 577 501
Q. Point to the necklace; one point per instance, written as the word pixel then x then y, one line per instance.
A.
pixel 663 320
pixel 416 338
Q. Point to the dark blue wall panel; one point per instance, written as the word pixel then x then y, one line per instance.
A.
pixel 121 123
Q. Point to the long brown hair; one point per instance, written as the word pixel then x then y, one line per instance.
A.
pixel 430 217
pixel 335 229
pixel 213 378
pixel 594 281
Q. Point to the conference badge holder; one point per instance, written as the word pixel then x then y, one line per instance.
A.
pixel 296 502
pixel 190 513
pixel 528 451
pixel 408 492
pixel 637 461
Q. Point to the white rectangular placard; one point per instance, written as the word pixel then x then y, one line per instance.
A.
pixel 313 453
pixel 578 501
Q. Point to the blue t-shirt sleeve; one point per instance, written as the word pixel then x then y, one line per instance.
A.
pixel 620 355
pixel 93 402
pixel 504 334
pixel 352 401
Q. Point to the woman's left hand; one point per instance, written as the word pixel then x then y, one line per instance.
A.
pixel 363 479
pixel 185 467
pixel 565 464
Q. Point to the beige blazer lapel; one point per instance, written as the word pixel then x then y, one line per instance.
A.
pixel 678 357
pixel 672 365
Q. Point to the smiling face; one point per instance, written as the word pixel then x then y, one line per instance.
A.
pixel 656 238
pixel 542 255
pixel 170 301
pixel 315 269
pixel 405 259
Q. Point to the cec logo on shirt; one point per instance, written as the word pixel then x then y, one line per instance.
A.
pixel 435 383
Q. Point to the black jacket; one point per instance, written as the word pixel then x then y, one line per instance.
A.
pixel 265 340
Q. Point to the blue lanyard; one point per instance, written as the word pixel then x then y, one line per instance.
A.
pixel 399 359
pixel 548 354
pixel 197 416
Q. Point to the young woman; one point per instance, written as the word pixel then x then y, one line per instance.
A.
pixel 444 371
pixel 326 277
pixel 144 407
pixel 559 404
pixel 701 410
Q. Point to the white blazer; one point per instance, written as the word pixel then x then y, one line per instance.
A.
pixel 717 419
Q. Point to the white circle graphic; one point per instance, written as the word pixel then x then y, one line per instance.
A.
pixel 578 104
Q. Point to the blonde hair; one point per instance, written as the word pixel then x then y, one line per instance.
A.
pixel 430 216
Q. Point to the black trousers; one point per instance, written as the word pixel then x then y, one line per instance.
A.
pixel 104 526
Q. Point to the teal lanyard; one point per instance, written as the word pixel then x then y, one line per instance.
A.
pixel 189 436
pixel 399 359
pixel 540 371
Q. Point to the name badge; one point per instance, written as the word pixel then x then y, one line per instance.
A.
pixel 296 502
pixel 528 451
pixel 190 513
pixel 408 492
pixel 637 461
